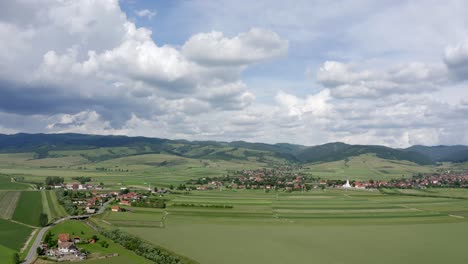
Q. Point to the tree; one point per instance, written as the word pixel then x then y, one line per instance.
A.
pixel 53 180
pixel 43 219
pixel 39 251
pixel 82 179
pixel 16 258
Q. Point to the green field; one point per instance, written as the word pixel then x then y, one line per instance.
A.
pixel 311 227
pixel 6 183
pixel 29 208
pixel 80 229
pixel 12 238
pixel 51 206
pixel 8 201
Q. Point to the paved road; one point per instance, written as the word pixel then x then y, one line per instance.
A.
pixel 37 242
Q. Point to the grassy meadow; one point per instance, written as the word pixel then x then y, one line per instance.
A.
pixel 366 167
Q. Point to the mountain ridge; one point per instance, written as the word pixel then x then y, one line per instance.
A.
pixel 43 143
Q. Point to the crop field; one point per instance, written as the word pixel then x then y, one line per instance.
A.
pixel 29 208
pixel 8 201
pixel 80 229
pixel 141 217
pixel 332 226
pixel 12 238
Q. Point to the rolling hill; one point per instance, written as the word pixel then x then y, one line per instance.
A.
pixel 111 147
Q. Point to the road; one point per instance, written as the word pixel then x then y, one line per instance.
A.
pixel 37 242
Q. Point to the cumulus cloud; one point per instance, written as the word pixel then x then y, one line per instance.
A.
pixel 92 59
pixel 146 13
pixel 253 46
pixel 346 81
pixel 456 58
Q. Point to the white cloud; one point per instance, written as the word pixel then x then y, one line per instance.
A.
pixel 146 13
pixel 456 58
pixel 345 81
pixel 253 46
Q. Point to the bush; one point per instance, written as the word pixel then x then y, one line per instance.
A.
pixel 141 248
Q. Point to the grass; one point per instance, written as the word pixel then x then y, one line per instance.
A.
pixel 8 202
pixel 29 208
pixel 80 229
pixel 366 167
pixel 13 235
pixel 6 183
pixel 330 226
pixel 56 210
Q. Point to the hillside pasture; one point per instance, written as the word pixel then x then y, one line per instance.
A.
pixel 365 167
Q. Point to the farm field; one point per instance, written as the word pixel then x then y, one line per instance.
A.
pixel 316 226
pixel 12 238
pixel 8 201
pixel 29 208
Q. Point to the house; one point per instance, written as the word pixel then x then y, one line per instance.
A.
pixel 76 240
pixel 67 247
pixel 115 209
pixel 125 202
pixel 64 237
pixel 90 210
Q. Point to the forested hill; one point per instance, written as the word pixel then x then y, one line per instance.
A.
pixel 43 144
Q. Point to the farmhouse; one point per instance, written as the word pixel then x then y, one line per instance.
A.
pixel 115 209
pixel 67 247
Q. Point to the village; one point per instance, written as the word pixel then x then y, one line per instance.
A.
pixel 289 180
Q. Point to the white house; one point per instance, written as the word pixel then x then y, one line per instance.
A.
pixel 67 248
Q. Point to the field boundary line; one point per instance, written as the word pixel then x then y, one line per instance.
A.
pixel 457 216
pixel 17 222
pixel 26 244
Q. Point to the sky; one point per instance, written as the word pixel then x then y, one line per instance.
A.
pixel 391 73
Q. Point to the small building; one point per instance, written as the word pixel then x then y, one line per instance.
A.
pixel 67 247
pixel 90 210
pixel 125 202
pixel 115 208
pixel 76 240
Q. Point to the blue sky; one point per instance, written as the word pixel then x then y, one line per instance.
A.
pixel 309 72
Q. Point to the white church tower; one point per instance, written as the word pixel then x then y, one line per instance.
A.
pixel 347 185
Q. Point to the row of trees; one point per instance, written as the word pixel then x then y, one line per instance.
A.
pixel 141 247
pixel 54 180
pixel 150 203
pixel 64 198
